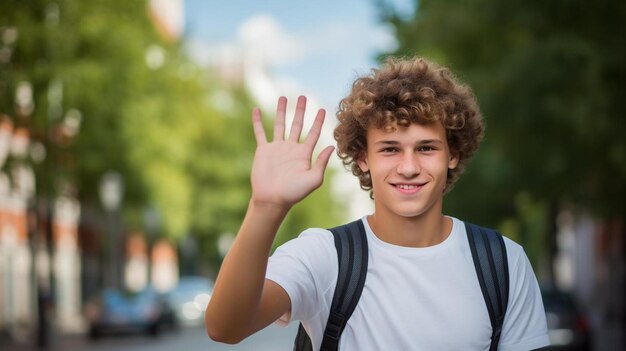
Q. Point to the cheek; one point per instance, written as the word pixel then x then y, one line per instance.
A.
pixel 439 166
pixel 381 170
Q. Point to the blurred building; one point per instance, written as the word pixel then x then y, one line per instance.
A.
pixel 67 264
pixel 590 264
pixel 16 189
pixel 25 264
pixel 136 269
pixel 164 274
pixel 168 17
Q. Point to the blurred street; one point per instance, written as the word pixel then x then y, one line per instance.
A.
pixel 126 147
pixel 187 339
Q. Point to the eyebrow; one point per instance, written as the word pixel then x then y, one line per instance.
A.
pixel 421 142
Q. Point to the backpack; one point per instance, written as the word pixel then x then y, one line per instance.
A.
pixel 490 261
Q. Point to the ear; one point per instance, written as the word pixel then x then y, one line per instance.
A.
pixel 362 162
pixel 453 161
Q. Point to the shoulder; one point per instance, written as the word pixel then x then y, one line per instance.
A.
pixel 312 253
pixel 514 250
pixel 517 261
pixel 524 326
pixel 519 267
pixel 309 241
pixel 306 268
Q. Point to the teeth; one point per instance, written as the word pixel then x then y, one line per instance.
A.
pixel 406 186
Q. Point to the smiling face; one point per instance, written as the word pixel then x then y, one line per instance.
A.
pixel 408 168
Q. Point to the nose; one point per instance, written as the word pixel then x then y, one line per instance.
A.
pixel 409 165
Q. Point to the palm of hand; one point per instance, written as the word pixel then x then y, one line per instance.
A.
pixel 282 171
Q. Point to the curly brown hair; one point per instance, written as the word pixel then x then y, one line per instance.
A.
pixel 405 91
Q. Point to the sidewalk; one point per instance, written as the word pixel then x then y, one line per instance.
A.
pixel 66 342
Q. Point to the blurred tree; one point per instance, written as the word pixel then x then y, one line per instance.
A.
pixel 105 60
pixel 182 140
pixel 549 77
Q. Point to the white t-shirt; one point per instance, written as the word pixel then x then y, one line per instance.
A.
pixel 413 299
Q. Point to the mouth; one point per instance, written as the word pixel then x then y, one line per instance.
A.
pixel 408 188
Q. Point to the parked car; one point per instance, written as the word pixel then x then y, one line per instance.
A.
pixel 568 327
pixel 116 311
pixel 190 298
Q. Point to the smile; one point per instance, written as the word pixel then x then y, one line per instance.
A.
pixel 408 188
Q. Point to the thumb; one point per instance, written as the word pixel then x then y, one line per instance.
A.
pixel 322 159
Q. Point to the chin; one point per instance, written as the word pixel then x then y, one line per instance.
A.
pixel 410 213
pixel 413 210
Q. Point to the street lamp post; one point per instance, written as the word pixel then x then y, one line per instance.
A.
pixel 152 221
pixel 111 192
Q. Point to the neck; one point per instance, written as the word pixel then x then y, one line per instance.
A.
pixel 419 231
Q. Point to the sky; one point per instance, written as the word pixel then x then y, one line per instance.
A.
pixel 315 48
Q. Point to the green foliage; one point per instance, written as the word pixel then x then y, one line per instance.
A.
pixel 133 116
pixel 222 173
pixel 182 141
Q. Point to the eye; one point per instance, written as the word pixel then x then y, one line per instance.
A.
pixel 425 148
pixel 389 150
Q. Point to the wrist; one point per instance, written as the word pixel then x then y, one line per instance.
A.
pixel 264 217
pixel 269 208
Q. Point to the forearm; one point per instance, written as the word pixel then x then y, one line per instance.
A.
pixel 239 284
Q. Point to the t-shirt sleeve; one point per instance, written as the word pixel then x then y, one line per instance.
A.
pixel 304 267
pixel 524 325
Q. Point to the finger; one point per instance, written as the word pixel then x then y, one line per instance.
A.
pixel 316 129
pixel 279 121
pixel 322 159
pixel 298 120
pixel 257 124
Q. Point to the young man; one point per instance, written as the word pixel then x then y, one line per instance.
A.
pixel 406 130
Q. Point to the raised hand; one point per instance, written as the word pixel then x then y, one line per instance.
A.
pixel 282 171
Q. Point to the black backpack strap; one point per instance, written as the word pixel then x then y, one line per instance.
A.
pixel 351 245
pixel 303 341
pixel 492 268
pixel 352 255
